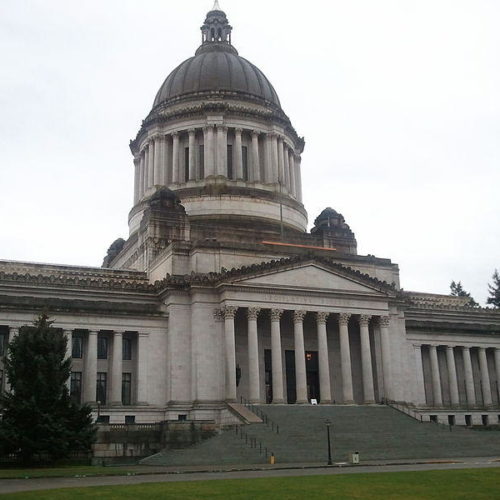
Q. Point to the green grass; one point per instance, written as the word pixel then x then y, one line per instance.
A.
pixel 465 484
pixel 68 471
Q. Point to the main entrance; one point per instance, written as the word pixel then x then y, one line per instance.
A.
pixel 312 374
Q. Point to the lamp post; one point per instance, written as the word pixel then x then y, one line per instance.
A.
pixel 328 423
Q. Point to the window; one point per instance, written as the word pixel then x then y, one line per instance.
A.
pixel 127 349
pixel 201 159
pixel 101 387
pixel 75 390
pixel 130 419
pixel 186 164
pixel 451 419
pixel 468 420
pixel 126 388
pixel 76 346
pixel 433 418
pixel 3 343
pixel 102 347
pixel 244 159
pixel 103 419
pixel 484 419
pixel 229 161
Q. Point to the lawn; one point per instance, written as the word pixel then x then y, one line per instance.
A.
pixel 69 471
pixel 467 484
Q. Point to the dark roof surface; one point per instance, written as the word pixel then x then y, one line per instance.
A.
pixel 216 67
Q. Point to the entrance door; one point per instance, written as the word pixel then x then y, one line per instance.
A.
pixel 291 389
pixel 268 371
pixel 312 373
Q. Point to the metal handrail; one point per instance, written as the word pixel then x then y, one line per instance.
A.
pixel 265 418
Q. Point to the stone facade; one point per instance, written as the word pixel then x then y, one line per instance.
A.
pixel 220 293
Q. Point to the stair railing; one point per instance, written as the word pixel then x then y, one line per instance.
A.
pixel 265 418
pixel 252 441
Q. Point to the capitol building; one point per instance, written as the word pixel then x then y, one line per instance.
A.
pixel 221 294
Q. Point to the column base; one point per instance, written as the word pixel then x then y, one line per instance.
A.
pixel 302 402
pixel 326 402
pixel 278 402
pixel 348 402
pixel 370 402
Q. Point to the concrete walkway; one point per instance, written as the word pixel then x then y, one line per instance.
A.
pixel 145 474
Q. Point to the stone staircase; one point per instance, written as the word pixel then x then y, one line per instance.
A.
pixel 376 432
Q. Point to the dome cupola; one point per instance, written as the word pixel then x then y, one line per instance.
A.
pixel 218 138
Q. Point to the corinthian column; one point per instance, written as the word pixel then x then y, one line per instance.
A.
pixel 238 155
pixel 208 134
pixel 299 178
pixel 366 360
pixel 274 158
pixel 137 176
pixel 452 375
pixel 419 376
pixel 386 355
pixel 116 369
pixel 90 381
pixel 142 175
pixel 345 358
pixel 485 377
pixel 436 377
pixel 157 160
pixel 469 378
pixel 255 157
pixel 222 151
pixel 293 186
pixel 151 165
pixel 286 167
pixel 229 314
pixel 253 355
pixel 175 158
pixel 278 396
pixel 324 365
pixel 192 155
pixel 281 162
pixel 300 356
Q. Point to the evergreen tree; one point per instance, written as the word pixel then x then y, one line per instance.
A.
pixel 457 290
pixel 494 289
pixel 39 418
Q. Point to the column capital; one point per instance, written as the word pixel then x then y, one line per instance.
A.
pixel 137 160
pixel 364 320
pixel 255 133
pixel 222 128
pixel 276 314
pixel 191 132
pixel 143 334
pixel 253 313
pixel 218 315
pixel 344 318
pixel 118 332
pixel 175 134
pixel 417 346
pixel 230 312
pixel 384 321
pixel 466 347
pixel 208 127
pixel 238 131
pixel 322 316
pixel 13 330
pixel 93 332
pixel 450 346
pixel 298 316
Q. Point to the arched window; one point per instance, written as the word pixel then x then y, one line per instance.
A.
pixel 212 34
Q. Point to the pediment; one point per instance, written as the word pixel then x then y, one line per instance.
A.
pixel 310 277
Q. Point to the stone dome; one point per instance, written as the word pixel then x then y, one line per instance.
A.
pixel 217 67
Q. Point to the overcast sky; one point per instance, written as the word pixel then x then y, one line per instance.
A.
pixel 398 101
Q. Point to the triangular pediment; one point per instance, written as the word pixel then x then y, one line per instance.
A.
pixel 310 277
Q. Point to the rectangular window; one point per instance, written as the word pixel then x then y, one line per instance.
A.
pixel 102 347
pixel 202 161
pixel 101 387
pixel 130 419
pixel 1 381
pixel 126 388
pixel 127 349
pixel 244 158
pixel 229 161
pixel 186 164
pixel 76 346
pixel 75 390
pixel 3 343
